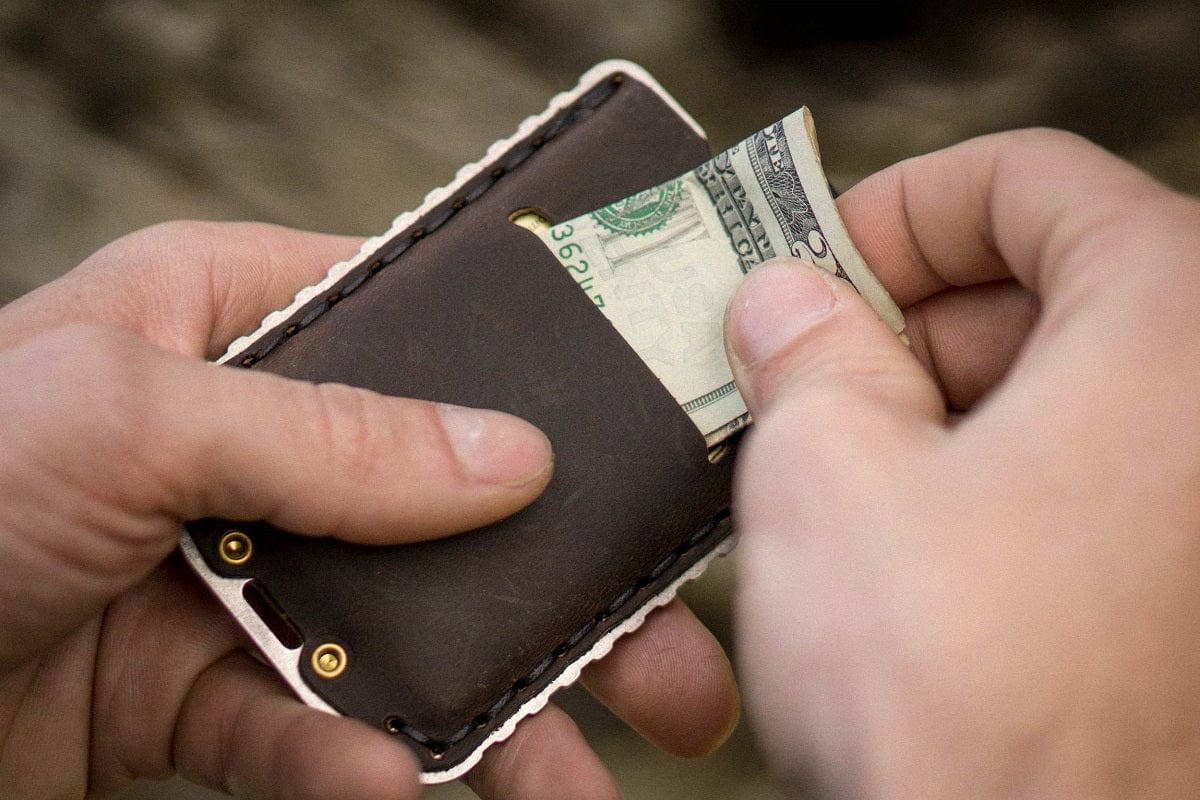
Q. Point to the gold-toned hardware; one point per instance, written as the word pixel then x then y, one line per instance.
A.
pixel 235 548
pixel 329 660
pixel 531 219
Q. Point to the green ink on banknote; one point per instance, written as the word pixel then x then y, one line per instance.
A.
pixel 642 213
pixel 569 254
pixel 664 262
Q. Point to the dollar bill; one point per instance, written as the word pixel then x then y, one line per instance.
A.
pixel 662 264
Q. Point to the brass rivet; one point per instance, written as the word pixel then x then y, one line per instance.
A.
pixel 329 660
pixel 235 548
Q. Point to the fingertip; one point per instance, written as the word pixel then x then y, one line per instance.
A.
pixel 497 448
pixel 546 758
pixel 240 731
pixel 333 460
pixel 344 758
pixel 711 712
pixel 671 682
pixel 798 334
pixel 775 305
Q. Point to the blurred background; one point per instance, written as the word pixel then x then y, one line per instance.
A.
pixel 337 116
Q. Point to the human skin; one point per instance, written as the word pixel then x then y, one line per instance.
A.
pixel 115 663
pixel 973 569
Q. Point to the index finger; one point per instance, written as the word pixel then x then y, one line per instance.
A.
pixel 1018 204
pixel 191 287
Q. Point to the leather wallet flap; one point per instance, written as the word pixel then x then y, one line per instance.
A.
pixel 445 644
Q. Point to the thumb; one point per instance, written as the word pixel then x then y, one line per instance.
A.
pixel 109 444
pixel 797 336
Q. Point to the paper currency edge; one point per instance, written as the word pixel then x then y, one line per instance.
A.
pixel 229 590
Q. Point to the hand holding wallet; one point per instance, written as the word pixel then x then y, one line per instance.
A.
pixel 448 644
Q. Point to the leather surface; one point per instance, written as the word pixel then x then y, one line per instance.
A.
pixel 446 639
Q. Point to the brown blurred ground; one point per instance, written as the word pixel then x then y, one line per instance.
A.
pixel 338 115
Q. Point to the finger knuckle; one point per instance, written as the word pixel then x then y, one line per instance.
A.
pixel 158 245
pixel 353 428
pixel 168 235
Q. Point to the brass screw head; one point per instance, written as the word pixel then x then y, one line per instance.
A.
pixel 235 548
pixel 329 660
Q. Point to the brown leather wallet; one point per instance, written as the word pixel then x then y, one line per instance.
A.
pixel 447 644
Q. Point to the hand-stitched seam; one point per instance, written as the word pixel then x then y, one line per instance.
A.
pixel 391 252
pixel 435 219
pixel 437 748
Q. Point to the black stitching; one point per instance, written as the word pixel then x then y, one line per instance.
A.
pixel 394 725
pixel 358 281
pixel 582 109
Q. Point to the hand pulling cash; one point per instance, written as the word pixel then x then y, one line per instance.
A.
pixel 662 264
